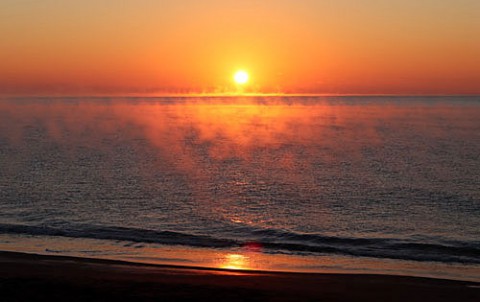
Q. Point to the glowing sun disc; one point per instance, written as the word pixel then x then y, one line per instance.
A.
pixel 240 77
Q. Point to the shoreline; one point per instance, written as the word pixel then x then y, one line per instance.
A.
pixel 241 258
pixel 36 277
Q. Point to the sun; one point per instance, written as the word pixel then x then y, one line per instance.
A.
pixel 240 77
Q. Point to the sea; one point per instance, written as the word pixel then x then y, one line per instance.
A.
pixel 349 184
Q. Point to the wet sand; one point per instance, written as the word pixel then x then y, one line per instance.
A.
pixel 27 277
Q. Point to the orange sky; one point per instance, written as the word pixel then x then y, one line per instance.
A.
pixel 308 46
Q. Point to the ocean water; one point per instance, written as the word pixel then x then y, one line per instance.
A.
pixel 362 179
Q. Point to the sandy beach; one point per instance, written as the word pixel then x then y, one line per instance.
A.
pixel 28 277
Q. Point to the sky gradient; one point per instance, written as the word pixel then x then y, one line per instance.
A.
pixel 167 47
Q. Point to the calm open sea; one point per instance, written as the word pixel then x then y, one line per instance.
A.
pixel 302 183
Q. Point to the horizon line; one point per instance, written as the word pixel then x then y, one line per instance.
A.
pixel 233 95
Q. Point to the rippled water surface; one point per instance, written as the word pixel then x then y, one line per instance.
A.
pixel 380 177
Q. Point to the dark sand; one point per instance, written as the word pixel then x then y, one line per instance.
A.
pixel 26 277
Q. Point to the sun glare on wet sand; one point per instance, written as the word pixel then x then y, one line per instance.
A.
pixel 235 262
